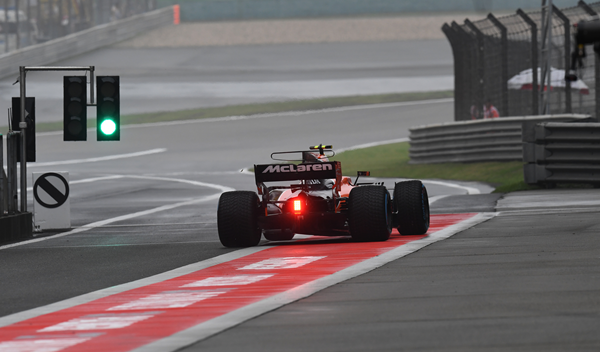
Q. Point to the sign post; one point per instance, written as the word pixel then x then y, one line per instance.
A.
pixel 51 206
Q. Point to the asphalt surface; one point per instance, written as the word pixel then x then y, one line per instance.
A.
pixel 198 160
pixel 518 282
pixel 167 79
pixel 525 280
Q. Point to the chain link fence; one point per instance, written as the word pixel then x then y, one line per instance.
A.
pixel 28 22
pixel 498 60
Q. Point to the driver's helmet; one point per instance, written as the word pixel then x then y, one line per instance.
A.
pixel 312 157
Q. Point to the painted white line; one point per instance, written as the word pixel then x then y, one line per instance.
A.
pixel 115 219
pixel 96 224
pixel 436 198
pixel 281 263
pixel 198 173
pixel 89 297
pixel 194 183
pixel 226 321
pixel 168 300
pixel 98 322
pixel 233 280
pixel 246 171
pixel 45 344
pixel 87 180
pixel 294 113
pixel 276 114
pixel 102 158
pixel 469 190
pixel 373 144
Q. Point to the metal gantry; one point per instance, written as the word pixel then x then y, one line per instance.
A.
pixel 23 125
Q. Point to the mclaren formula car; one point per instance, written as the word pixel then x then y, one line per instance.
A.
pixel 312 197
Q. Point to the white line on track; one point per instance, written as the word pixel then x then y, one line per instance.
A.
pixel 102 158
pixel 288 113
pixel 89 297
pixel 229 320
pixel 436 198
pixel 294 113
pixel 470 190
pixel 96 224
pixel 372 144
pixel 88 180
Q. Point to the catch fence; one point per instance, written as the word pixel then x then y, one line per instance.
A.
pixel 492 58
pixel 28 22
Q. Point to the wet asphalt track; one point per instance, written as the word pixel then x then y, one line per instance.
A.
pixel 525 280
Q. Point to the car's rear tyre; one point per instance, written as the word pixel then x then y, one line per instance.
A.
pixel 278 235
pixel 237 219
pixel 412 204
pixel 370 213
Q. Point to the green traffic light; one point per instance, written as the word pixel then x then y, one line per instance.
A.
pixel 108 127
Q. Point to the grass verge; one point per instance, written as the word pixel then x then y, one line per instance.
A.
pixel 391 160
pixel 262 108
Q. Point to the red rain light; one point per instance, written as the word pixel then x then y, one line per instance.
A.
pixel 297 206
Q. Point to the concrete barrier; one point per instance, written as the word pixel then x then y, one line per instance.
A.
pixel 84 41
pixel 474 141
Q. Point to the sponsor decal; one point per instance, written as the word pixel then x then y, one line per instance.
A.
pixel 273 169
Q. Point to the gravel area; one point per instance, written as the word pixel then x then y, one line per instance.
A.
pixel 321 30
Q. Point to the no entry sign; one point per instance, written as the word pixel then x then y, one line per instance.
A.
pixel 51 200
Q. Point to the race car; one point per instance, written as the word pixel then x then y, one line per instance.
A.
pixel 319 201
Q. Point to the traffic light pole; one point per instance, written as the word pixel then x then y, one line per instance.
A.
pixel 23 125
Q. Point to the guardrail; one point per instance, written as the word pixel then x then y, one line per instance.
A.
pixel 561 152
pixel 497 139
pixel 84 41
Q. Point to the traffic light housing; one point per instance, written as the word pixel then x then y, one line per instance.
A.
pixel 108 119
pixel 30 120
pixel 75 108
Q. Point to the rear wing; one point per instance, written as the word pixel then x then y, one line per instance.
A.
pixel 292 172
pixel 304 171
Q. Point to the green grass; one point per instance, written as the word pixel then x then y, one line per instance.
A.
pixel 391 160
pixel 251 109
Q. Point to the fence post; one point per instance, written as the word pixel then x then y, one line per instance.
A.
pixel 567 57
pixel 504 44
pixel 597 78
pixel 534 61
pixel 480 64
pixel 11 166
pixel 458 72
pixel 464 41
pixel 3 193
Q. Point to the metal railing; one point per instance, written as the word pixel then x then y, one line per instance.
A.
pixel 491 54
pixel 497 139
pixel 25 22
